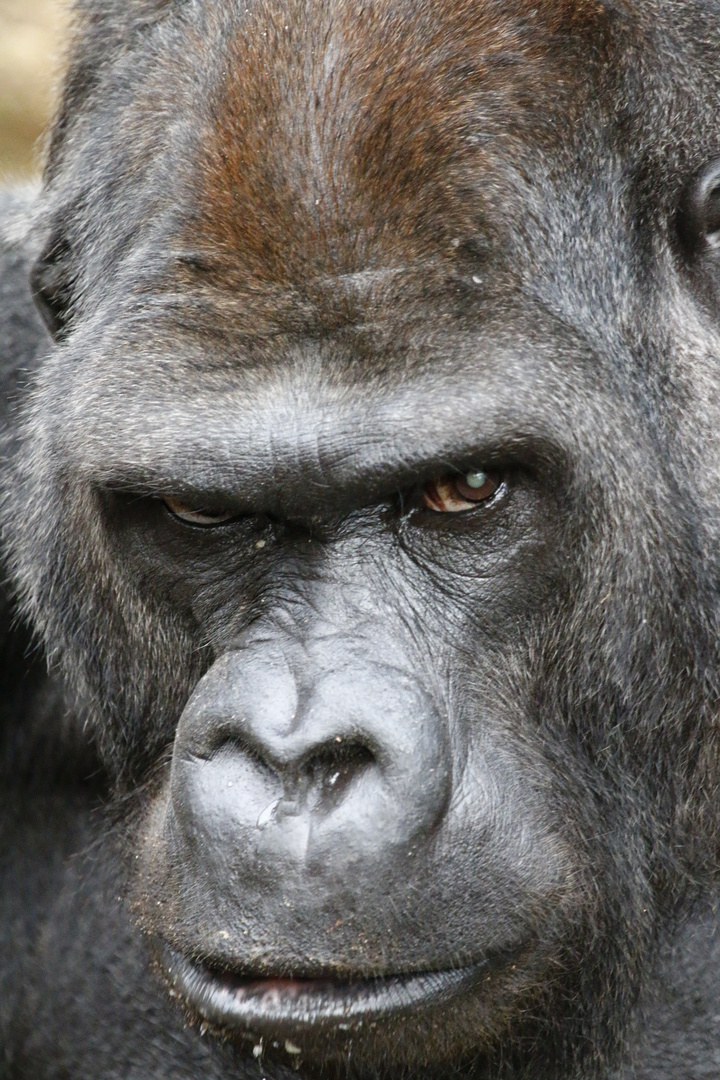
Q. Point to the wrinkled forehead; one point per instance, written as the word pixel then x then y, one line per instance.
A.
pixel 351 136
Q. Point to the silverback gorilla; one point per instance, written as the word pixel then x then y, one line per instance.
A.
pixel 364 496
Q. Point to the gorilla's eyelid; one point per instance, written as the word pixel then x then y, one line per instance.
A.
pixel 205 513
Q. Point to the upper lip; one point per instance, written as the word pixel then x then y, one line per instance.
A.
pixel 262 1002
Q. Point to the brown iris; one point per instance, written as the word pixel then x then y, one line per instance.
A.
pixel 454 493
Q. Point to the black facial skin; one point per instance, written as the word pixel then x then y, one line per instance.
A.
pixel 366 498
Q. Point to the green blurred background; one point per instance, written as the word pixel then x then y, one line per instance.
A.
pixel 32 39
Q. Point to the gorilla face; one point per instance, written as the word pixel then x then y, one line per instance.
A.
pixel 358 501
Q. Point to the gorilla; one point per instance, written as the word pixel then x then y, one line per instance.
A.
pixel 361 365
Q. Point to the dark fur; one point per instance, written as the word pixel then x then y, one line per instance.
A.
pixel 374 205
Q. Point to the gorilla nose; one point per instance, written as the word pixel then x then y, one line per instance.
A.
pixel 282 766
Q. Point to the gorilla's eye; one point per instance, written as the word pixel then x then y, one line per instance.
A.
pixel 192 515
pixel 453 493
pixel 700 210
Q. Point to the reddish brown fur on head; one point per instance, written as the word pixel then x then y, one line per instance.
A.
pixel 351 136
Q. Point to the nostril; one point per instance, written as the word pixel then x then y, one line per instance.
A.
pixel 226 740
pixel 330 769
pixel 320 775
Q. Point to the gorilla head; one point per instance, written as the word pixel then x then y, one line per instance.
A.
pixel 369 499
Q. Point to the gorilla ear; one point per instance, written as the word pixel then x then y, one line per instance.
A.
pixel 52 287
pixel 700 213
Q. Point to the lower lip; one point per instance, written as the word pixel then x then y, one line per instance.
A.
pixel 228 1001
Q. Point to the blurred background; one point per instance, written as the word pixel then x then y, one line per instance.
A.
pixel 32 38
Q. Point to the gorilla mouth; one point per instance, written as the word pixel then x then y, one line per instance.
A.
pixel 269 1004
